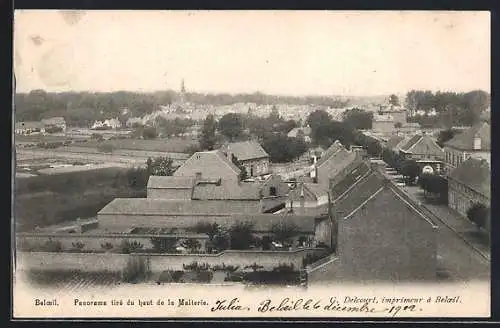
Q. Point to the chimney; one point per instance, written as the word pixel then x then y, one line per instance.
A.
pixel 477 143
pixel 198 176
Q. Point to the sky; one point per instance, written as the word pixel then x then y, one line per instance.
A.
pixel 344 53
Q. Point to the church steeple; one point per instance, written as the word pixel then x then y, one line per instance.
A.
pixel 183 92
pixel 183 87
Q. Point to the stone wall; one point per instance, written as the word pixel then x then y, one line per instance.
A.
pixel 158 262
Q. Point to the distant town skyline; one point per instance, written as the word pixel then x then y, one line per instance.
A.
pixel 289 53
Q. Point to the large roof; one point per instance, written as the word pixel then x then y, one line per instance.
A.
pixel 315 189
pixel 475 174
pixel 246 150
pixel 170 182
pixel 401 143
pixel 465 140
pixel 227 189
pixel 145 206
pixel 334 148
pixel 412 142
pixel 213 162
pixel 349 198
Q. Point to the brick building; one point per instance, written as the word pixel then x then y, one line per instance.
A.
pixel 250 155
pixel 469 183
pixel 474 142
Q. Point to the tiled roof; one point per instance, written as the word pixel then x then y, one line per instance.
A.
pixel 402 142
pixel 475 174
pixel 170 182
pixel 413 141
pixel 465 140
pixel 355 173
pixel 315 189
pixel 228 189
pixel 339 162
pixel 246 150
pixel 334 148
pixel 265 222
pixel 145 206
pixel 188 168
pixel 366 189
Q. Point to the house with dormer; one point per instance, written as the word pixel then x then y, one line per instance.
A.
pixel 475 142
pixel 250 155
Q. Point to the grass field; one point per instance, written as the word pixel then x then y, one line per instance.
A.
pixel 46 200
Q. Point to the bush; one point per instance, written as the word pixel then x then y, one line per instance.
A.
pixel 478 214
pixel 78 245
pixel 128 247
pixel 164 244
pixel 107 246
pixel 195 266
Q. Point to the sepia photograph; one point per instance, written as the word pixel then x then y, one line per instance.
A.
pixel 226 164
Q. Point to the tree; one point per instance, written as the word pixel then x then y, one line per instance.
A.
pixel 444 136
pixel 192 244
pixel 478 214
pixel 207 137
pixel 282 149
pixel 284 231
pixel 221 238
pixel 241 235
pixel 358 119
pixel 394 100
pixel 410 170
pixel 164 244
pixel 160 166
pixel 373 147
pixel 149 132
pixel 398 125
pixel 317 118
pixel 231 126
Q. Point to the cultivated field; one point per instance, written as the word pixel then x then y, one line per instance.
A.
pixel 172 145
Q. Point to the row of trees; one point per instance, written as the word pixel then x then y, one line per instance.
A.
pixel 408 168
pixel 452 108
pixel 83 108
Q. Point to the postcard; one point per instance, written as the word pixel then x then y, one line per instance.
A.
pixel 251 164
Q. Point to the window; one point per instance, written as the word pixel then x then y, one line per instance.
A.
pixel 272 191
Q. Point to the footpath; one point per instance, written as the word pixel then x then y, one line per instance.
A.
pixel 464 229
